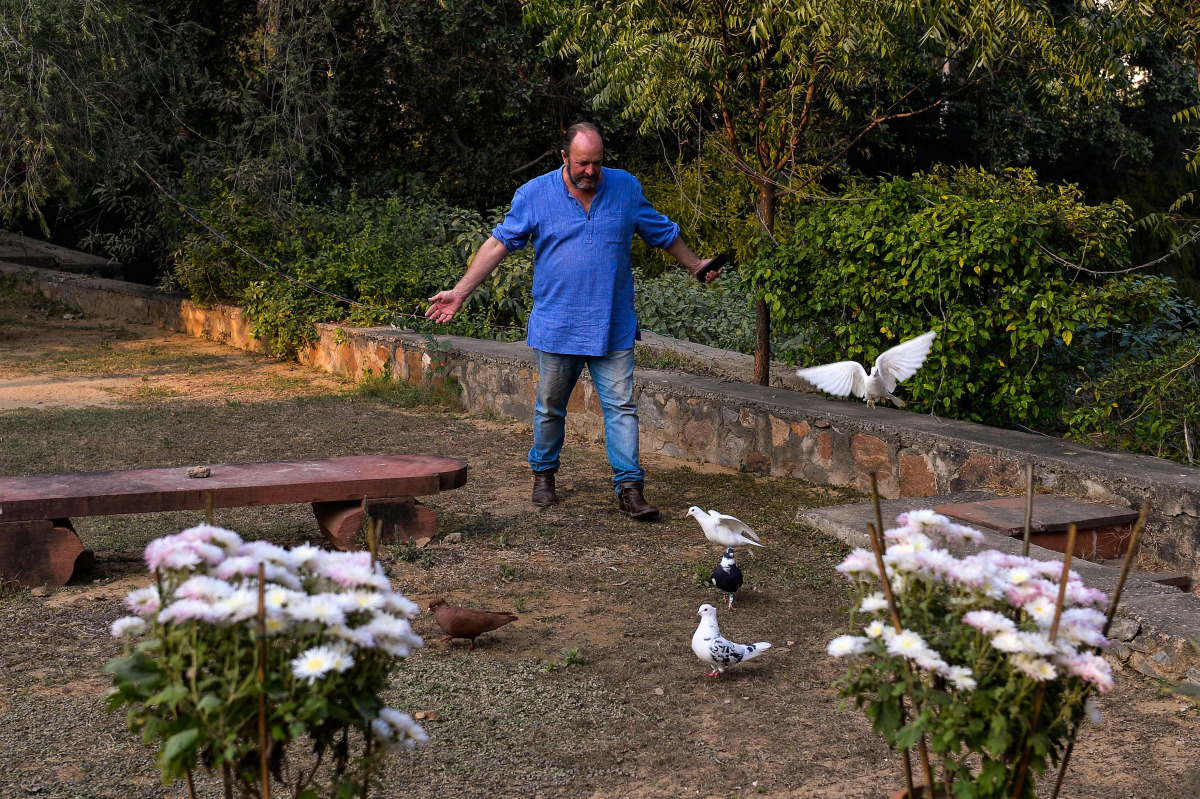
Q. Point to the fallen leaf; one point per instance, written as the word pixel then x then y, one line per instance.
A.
pixel 421 542
pixel 427 715
pixel 658 692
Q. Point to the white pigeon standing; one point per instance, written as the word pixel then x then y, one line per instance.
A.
pixel 710 647
pixel 891 367
pixel 724 530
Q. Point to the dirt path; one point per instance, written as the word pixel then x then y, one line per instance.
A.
pixel 635 718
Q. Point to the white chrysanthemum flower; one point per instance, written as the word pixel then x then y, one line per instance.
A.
pixel 186 610
pixel 360 637
pixel 305 554
pixel 276 624
pixel 961 677
pixel 400 605
pixel 342 659
pixel 239 606
pixel 321 608
pixel 277 597
pixel 989 621
pixel 875 629
pixel 1034 668
pixel 315 663
pixel 907 644
pixel 1019 574
pixel 930 661
pixel 144 601
pixel 355 601
pixel 396 730
pixel 873 603
pixel 846 646
pixel 130 625
pixel 1010 642
pixel 1040 610
pixel 268 553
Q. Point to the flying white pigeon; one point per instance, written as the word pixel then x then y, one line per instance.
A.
pixel 891 367
pixel 710 647
pixel 724 530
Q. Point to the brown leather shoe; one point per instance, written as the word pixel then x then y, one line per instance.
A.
pixel 631 502
pixel 543 489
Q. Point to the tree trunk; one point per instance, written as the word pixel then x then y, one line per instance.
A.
pixel 762 314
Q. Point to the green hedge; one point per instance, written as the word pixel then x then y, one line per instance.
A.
pixel 978 257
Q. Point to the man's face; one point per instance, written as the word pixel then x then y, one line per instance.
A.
pixel 583 162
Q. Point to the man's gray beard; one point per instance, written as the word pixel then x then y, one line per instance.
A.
pixel 578 183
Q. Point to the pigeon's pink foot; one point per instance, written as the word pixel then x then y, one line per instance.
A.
pixel 713 674
pixel 472 646
pixel 731 602
pixel 447 639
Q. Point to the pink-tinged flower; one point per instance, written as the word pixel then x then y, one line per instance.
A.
pixel 237 566
pixel 1080 594
pixel 186 610
pixel 144 601
pixel 967 573
pixel 268 553
pixel 873 603
pixel 1034 668
pixel 203 587
pixel 846 646
pixel 859 565
pixel 1093 669
pixel 170 553
pixel 130 625
pixel 936 561
pixel 961 678
pixel 907 644
pixel 956 535
pixel 989 622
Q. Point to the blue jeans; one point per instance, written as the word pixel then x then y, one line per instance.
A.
pixel 612 375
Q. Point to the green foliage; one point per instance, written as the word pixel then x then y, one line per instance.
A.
pixel 701 575
pixel 1145 404
pixel 717 314
pixel 977 257
pixel 385 256
pixel 385 388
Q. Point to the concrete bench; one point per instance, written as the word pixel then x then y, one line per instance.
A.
pixel 39 546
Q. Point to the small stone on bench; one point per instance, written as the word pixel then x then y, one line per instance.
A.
pixel 199 471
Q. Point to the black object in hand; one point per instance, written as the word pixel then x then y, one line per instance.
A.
pixel 715 263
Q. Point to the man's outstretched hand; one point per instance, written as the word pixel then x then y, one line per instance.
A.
pixel 444 305
pixel 713 273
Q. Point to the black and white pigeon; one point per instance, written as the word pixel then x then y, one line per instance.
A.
pixel 727 577
pixel 710 647
pixel 891 367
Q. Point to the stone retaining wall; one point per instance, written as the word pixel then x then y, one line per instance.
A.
pixel 769 430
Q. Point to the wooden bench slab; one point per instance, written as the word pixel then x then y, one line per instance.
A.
pixel 38 545
pixel 231 485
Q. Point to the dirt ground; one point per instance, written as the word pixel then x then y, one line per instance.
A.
pixel 635 718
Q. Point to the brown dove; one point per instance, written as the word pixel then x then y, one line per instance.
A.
pixel 459 622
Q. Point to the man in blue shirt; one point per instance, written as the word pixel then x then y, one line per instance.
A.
pixel 580 219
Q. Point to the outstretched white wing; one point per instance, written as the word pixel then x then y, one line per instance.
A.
pixel 734 525
pixel 903 360
pixel 838 379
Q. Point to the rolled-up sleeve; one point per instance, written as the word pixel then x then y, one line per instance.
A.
pixel 654 228
pixel 514 231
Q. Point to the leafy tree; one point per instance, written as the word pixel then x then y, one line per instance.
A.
pixel 791 86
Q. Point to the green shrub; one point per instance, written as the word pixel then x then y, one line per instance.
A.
pixel 966 253
pixel 385 255
pixel 1149 405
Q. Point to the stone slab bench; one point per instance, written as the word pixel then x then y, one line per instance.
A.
pixel 39 546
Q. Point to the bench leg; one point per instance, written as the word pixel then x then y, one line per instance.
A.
pixel 403 518
pixel 43 552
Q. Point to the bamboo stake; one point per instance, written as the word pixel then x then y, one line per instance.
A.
pixel 1028 509
pixel 895 614
pixel 262 678
pixel 1130 554
pixel 1063 579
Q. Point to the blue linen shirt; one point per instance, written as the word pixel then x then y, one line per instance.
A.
pixel 582 272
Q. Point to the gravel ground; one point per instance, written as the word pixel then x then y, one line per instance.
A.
pixel 635 718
